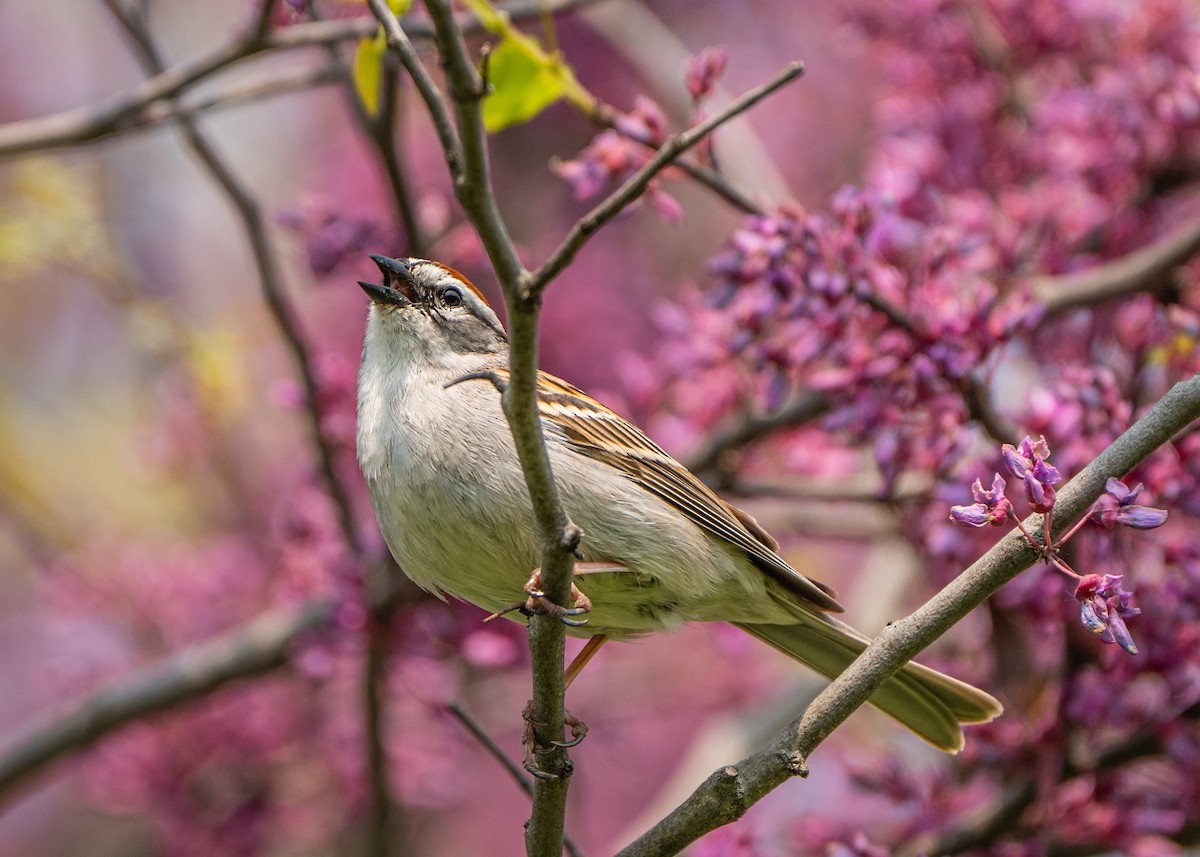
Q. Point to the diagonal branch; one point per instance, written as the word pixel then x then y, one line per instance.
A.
pixel 1145 270
pixel 727 794
pixel 121 112
pixel 636 184
pixel 523 782
pixel 257 647
pixel 254 226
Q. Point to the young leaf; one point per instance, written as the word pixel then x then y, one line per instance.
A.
pixel 522 87
pixel 367 69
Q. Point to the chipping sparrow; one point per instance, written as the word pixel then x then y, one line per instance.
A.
pixel 659 548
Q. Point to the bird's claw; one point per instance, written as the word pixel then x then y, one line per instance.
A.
pixel 578 729
pixel 539 603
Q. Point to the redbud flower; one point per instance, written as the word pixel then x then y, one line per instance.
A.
pixel 990 506
pixel 1105 607
pixel 703 70
pixel 1116 506
pixel 1028 463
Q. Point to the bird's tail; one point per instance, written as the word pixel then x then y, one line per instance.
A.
pixel 931 704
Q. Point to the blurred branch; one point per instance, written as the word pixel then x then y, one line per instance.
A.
pixel 747 428
pixel 1002 817
pixel 254 226
pixel 633 187
pixel 122 112
pixel 727 794
pixel 1145 270
pixel 379 826
pixel 523 782
pixel 257 647
pixel 261 645
pixel 380 130
pixel 557 536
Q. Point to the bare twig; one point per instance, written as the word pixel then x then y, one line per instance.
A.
pixel 119 113
pixel 557 536
pixel 730 792
pixel 604 115
pixel 380 129
pixel 633 187
pixel 256 233
pixel 1145 270
pixel 523 782
pixel 257 647
pixel 748 428
pixel 439 112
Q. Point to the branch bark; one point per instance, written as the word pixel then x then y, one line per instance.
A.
pixel 255 648
pixel 1145 270
pixel 124 111
pixel 730 792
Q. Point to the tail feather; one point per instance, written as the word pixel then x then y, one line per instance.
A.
pixel 925 701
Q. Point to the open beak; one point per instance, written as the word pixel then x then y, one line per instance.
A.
pixel 398 277
pixel 384 295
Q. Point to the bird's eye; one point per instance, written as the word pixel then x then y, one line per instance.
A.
pixel 452 297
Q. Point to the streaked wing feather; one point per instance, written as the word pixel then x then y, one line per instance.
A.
pixel 595 431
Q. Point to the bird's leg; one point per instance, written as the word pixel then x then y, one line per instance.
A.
pixel 538 603
pixel 578 729
pixel 581 660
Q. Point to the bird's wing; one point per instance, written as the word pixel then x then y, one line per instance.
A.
pixel 593 430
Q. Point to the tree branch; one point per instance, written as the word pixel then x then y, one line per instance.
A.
pixel 558 537
pixel 636 184
pixel 256 233
pixel 1145 270
pixel 806 406
pixel 257 647
pixel 728 793
pixel 524 783
pixel 121 112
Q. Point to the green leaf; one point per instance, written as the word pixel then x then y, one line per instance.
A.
pixel 492 19
pixel 522 87
pixel 368 68
pixel 399 7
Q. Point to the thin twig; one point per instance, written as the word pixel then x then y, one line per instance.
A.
pixel 254 226
pixel 380 129
pixel 1145 270
pixel 536 282
pixel 730 792
pixel 252 649
pixel 439 112
pixel 523 782
pixel 119 113
pixel 604 116
pixel 804 407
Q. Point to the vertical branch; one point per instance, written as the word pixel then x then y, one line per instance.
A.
pixel 466 158
pixel 288 323
pixel 379 826
pixel 380 129
pixel 255 229
pixel 558 536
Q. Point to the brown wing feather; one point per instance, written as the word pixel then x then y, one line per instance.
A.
pixel 593 430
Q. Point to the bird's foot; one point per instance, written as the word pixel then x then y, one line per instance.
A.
pixel 578 729
pixel 539 603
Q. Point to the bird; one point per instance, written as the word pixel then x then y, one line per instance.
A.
pixel 659 547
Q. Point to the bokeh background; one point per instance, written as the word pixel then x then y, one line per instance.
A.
pixel 160 487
